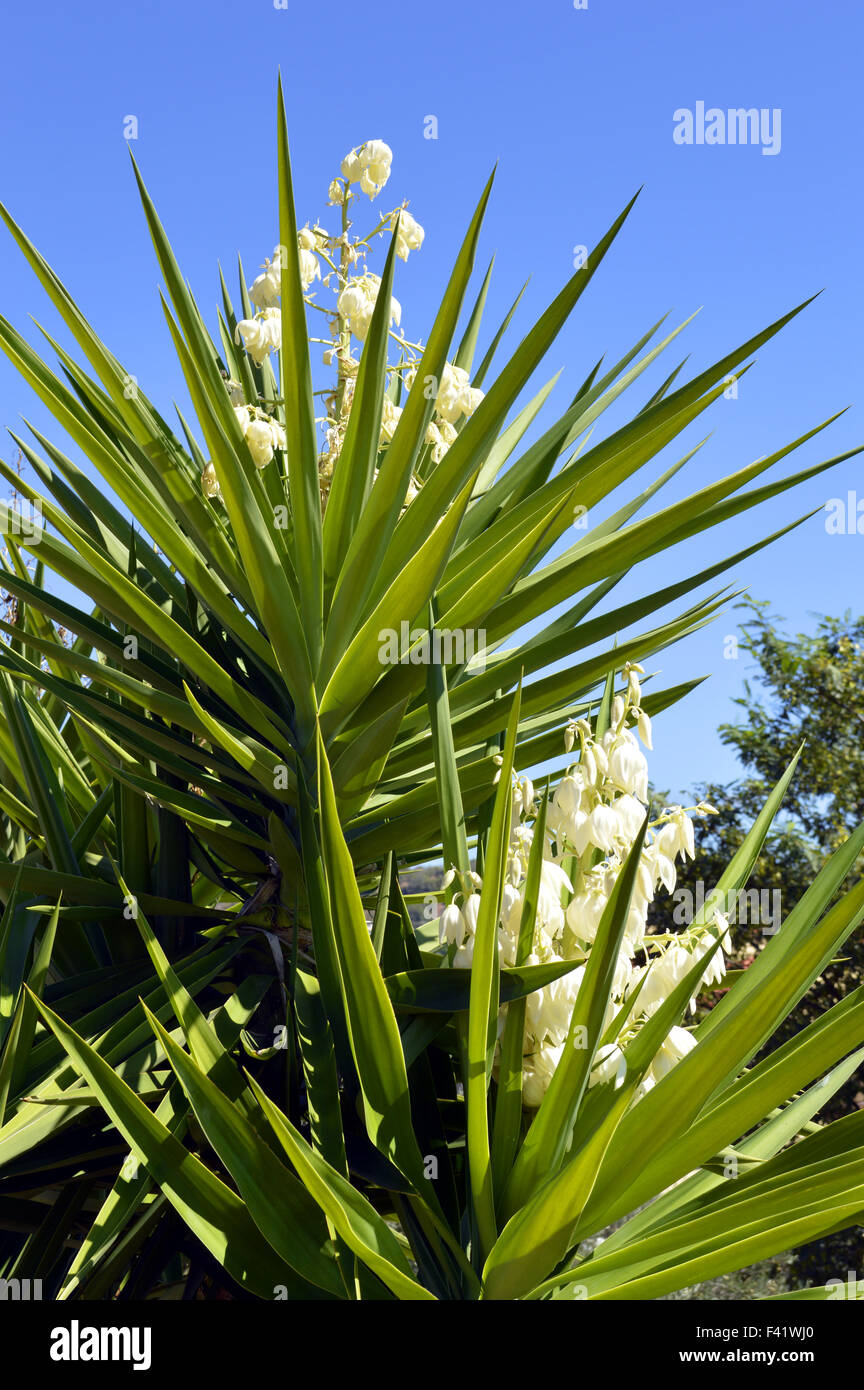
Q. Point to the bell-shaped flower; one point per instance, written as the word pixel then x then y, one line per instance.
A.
pixel 210 483
pixel 609 1065
pixel 537 1072
pixel 451 926
pixel 628 768
pixel 631 814
pixel 676 1046
pixel 259 438
pixel 603 828
pixel 470 910
pixel 409 236
pixel 583 915
pixel 261 335
pixel 310 268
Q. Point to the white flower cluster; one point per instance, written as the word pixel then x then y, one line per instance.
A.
pixel 409 235
pixel 364 169
pixel 356 304
pixel 335 436
pixel 592 820
pixel 368 165
pixel 263 435
pixel 310 240
pixel 264 292
pixel 261 335
pixel 454 398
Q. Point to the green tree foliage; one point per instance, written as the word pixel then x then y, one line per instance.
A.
pixel 807 689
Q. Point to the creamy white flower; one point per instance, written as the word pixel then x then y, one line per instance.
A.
pixel 374 282
pixel 209 482
pixel 455 395
pixel 643 724
pixel 261 335
pixel 433 437
pixel 628 768
pixel 603 828
pixel 447 432
pixel 636 925
pixel 335 193
pixel 351 166
pixel 356 304
pixel 583 914
pixel 577 828
pixel 676 1046
pixel 451 926
pixel 537 1072
pixel 568 794
pixel 377 158
pixel 565 815
pixel 464 957
pixel 511 910
pixel 259 438
pixel 553 882
pixel 264 292
pixel 715 970
pixel 721 922
pixel 622 977
pixel 663 975
pixel 548 1011
pixel 309 268
pixel 676 836
pixel 645 876
pixel 609 1065
pixel 353 304
pixel 266 289
pixel 368 165
pixel 389 420
pixel 664 868
pixel 470 909
pixel 409 236
pixel 634 689
pixel 598 803
pixel 630 813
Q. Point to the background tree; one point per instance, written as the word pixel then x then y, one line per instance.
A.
pixel 808 689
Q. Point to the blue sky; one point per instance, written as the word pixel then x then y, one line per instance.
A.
pixel 577 105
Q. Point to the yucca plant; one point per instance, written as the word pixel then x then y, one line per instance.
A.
pixel 240 735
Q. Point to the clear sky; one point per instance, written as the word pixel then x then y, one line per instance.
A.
pixel 577 105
